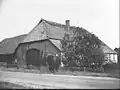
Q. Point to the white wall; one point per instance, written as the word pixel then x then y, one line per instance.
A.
pixel 113 57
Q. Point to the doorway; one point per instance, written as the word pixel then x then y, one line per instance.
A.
pixel 32 57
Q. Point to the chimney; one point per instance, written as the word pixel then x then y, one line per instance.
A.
pixel 67 22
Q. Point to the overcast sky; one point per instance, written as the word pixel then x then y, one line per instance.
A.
pixel 98 16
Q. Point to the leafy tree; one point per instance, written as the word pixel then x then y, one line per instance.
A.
pixel 82 49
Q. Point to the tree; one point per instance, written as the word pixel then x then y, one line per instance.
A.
pixel 82 49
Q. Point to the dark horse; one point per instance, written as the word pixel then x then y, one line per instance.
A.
pixel 50 63
pixel 53 62
pixel 57 62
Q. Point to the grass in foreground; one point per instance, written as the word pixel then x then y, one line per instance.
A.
pixel 8 85
pixel 110 73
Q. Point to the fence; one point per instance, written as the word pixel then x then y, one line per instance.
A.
pixel 3 64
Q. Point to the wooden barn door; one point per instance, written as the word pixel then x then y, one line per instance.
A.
pixel 32 57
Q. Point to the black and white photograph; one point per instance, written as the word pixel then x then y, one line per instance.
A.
pixel 59 44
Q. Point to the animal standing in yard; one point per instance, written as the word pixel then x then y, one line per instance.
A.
pixel 57 62
pixel 50 63
pixel 54 62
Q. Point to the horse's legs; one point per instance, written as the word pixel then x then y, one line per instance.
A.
pixel 53 69
pixel 50 68
pixel 56 68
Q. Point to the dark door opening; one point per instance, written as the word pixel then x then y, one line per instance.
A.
pixel 32 57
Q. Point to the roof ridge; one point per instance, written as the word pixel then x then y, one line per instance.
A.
pixel 52 22
pixel 56 24
pixel 15 36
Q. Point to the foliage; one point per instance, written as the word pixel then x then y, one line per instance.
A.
pixel 82 49
pixel 117 50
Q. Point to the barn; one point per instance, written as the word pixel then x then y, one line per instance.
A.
pixel 110 55
pixel 33 53
pixel 42 40
pixel 7 48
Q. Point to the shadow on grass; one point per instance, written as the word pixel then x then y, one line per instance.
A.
pixel 7 85
pixel 114 73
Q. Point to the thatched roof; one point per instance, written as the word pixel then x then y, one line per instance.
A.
pixel 48 29
pixel 44 30
pixel 107 49
pixel 9 45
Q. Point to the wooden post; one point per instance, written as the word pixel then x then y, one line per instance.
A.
pixel 84 69
pixel 113 57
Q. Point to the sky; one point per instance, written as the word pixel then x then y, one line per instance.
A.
pixel 101 17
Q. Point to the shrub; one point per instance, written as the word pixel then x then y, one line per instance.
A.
pixel 82 50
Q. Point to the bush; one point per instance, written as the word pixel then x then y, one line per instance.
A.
pixel 3 64
pixel 81 49
pixel 12 66
pixel 112 66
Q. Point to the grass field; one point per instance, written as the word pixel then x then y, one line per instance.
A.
pixel 108 73
pixel 8 85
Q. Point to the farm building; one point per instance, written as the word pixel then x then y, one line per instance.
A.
pixel 44 39
pixel 33 52
pixel 110 55
pixel 7 48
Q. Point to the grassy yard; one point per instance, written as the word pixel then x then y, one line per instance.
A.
pixel 7 85
pixel 111 70
pixel 109 73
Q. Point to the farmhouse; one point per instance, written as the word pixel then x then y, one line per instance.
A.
pixel 44 39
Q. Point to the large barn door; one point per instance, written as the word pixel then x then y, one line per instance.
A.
pixel 32 57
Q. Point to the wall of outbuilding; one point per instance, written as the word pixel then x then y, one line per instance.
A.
pixel 7 58
pixel 46 46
